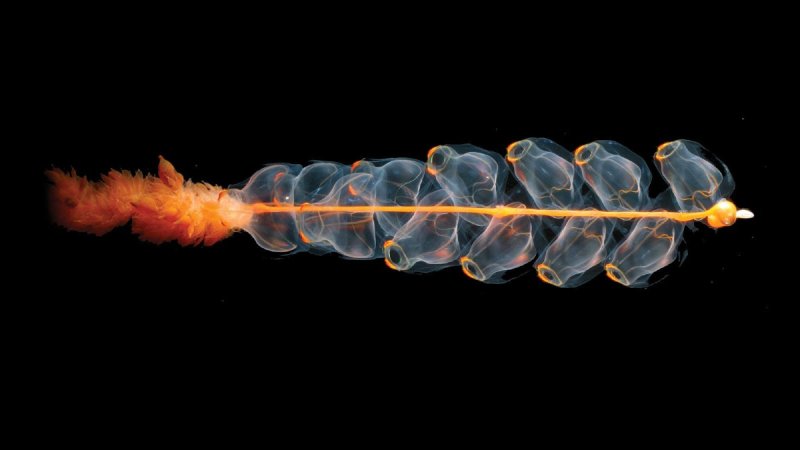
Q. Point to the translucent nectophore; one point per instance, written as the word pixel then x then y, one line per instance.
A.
pixel 569 216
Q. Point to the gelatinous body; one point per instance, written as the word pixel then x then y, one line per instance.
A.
pixel 505 244
pixel 470 178
pixel 568 216
pixel 618 177
pixel 651 245
pixel 580 247
pixel 272 184
pixel 546 170
pixel 696 182
pixel 429 237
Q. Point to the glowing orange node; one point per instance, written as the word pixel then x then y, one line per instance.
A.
pixel 664 151
pixel 430 168
pixel 389 264
pixel 548 275
pixel 509 151
pixel 580 160
pixel 723 214
pixel 470 269
pixel 616 275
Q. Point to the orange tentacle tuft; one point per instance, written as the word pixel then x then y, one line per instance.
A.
pixel 162 208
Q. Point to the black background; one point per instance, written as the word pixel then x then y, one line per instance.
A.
pixel 219 114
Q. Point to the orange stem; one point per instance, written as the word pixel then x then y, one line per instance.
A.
pixel 264 208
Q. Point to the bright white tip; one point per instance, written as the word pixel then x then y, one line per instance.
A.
pixel 744 214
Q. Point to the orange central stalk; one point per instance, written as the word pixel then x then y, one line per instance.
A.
pixel 265 208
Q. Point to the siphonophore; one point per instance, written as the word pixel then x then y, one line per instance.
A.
pixel 568 215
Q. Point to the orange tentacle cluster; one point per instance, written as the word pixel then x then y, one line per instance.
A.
pixel 162 208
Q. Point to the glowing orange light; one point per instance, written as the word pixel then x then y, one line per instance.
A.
pixel 548 275
pixel 723 214
pixel 613 273
pixel 578 158
pixel 429 168
pixel 509 150
pixel 389 264
pixel 465 263
pixel 661 154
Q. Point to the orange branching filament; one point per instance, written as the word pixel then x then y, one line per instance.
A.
pixel 572 215
pixel 161 208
